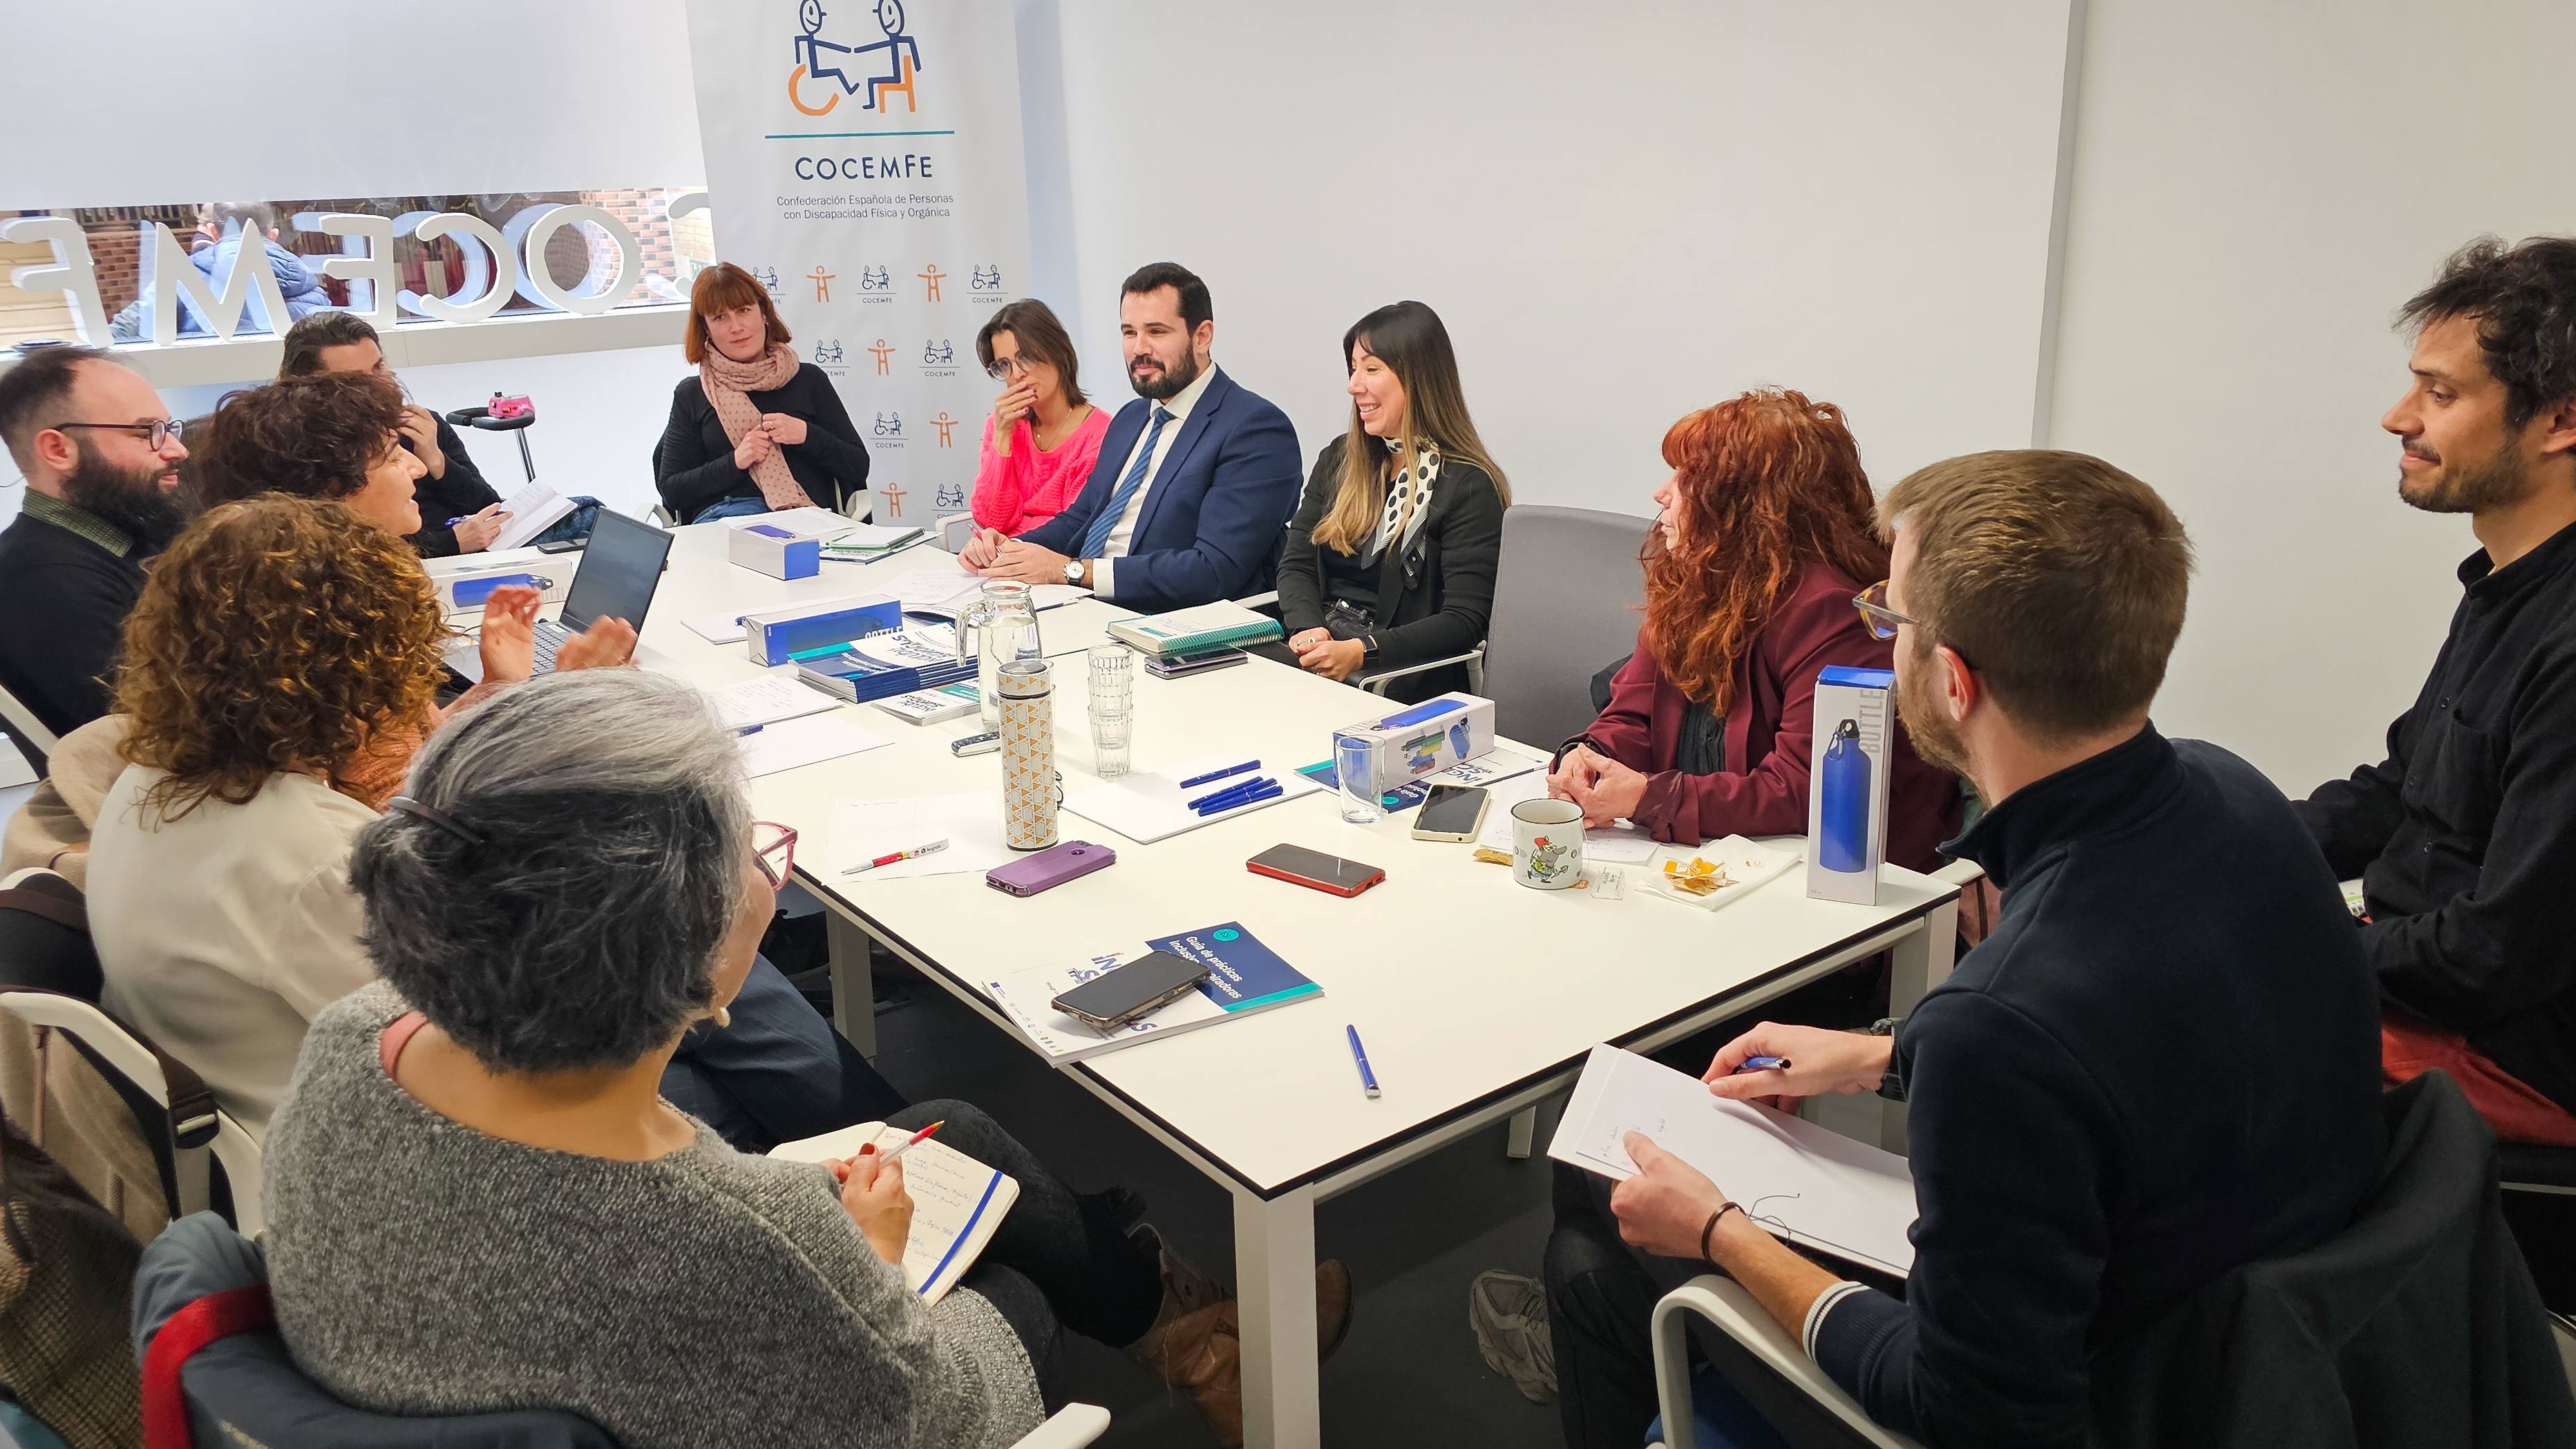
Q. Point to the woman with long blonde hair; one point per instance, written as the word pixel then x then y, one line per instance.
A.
pixel 1390 557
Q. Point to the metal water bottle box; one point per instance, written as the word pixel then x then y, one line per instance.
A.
pixel 1847 783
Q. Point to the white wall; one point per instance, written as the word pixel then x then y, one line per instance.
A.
pixel 1622 213
pixel 2257 189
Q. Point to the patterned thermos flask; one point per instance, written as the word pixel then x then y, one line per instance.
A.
pixel 1031 789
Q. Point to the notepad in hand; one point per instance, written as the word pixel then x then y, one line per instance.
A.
pixel 533 509
pixel 957 1202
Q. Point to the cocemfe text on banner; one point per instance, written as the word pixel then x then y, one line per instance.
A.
pixel 866 161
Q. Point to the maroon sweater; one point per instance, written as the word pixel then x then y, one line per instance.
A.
pixel 1763 788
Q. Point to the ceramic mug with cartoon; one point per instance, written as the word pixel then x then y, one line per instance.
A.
pixel 1547 844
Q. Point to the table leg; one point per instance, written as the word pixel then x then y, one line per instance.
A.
pixel 854 991
pixel 1274 1268
pixel 1524 1129
pixel 1917 964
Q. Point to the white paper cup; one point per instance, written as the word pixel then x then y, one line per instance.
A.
pixel 1547 844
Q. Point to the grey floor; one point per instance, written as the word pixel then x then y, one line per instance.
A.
pixel 1408 1375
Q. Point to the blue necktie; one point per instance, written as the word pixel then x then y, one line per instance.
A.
pixel 1098 538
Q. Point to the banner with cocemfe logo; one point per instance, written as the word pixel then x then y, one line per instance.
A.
pixel 863 161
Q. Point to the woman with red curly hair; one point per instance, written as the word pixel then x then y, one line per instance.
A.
pixel 1767 531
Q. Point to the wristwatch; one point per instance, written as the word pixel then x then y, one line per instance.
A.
pixel 1891 1084
pixel 1073 572
pixel 1368 648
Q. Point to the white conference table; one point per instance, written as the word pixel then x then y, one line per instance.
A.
pixel 1476 997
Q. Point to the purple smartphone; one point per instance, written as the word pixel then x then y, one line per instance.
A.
pixel 1052 866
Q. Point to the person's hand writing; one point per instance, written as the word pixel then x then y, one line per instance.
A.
pixel 1820 1061
pixel 508 639
pixel 419 427
pixel 1334 659
pixel 755 445
pixel 1663 1208
pixel 982 549
pixel 786 429
pixel 1613 793
pixel 475 533
pixel 606 644
pixel 1025 562
pixel 872 1194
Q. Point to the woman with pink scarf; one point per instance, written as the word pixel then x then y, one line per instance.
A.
pixel 755 430
pixel 1042 437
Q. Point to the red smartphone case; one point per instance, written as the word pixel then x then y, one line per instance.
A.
pixel 1330 888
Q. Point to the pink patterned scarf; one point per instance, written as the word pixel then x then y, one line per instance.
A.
pixel 726 381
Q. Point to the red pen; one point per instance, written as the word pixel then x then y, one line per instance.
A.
pixel 921 850
pixel 909 1143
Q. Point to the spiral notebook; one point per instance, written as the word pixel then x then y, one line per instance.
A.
pixel 957 1202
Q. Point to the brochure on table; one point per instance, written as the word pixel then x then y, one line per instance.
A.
pixel 1609 844
pixel 1796 1180
pixel 767 700
pixel 1155 805
pixel 957 1202
pixel 794 743
pixel 865 830
pixel 1245 979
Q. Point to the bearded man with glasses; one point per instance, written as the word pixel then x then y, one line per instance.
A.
pixel 101 459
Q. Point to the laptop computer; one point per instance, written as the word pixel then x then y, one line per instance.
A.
pixel 618 574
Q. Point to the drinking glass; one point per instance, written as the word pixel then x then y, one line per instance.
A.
pixel 1355 766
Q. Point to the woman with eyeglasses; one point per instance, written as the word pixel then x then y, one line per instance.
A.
pixel 278 679
pixel 1767 532
pixel 479 1199
pixel 1043 436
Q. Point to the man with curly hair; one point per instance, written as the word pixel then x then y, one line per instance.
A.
pixel 102 467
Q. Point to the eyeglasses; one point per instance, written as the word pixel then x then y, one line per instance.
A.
pixel 155 433
pixel 773 849
pixel 1882 620
pixel 1006 366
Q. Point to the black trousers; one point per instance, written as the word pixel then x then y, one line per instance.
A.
pixel 1601 1297
pixel 777 1073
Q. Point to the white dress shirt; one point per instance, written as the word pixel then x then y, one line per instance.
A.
pixel 1124 530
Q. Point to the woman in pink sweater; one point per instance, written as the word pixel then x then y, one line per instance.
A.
pixel 1042 437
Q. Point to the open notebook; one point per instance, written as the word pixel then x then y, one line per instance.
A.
pixel 957 1202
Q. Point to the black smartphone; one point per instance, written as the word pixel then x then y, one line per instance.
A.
pixel 563 545
pixel 1173 666
pixel 1120 995
pixel 1328 873
pixel 1451 812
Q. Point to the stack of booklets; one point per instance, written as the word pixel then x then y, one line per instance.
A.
pixel 869 542
pixel 1221 625
pixel 1245 978
pixel 899 661
pixel 957 1201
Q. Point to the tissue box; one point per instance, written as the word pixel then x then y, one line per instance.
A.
pixel 766 549
pixel 778 635
pixel 1428 737
pixel 1847 783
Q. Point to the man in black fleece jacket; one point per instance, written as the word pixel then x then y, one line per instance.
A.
pixel 2163 1063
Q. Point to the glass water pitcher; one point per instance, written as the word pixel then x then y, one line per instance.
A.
pixel 999 627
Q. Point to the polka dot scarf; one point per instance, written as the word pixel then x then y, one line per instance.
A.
pixel 1408 499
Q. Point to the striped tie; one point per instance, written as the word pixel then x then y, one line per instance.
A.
pixel 1098 538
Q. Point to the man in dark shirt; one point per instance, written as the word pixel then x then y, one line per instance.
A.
pixel 2159 1066
pixel 101 459
pixel 2465 837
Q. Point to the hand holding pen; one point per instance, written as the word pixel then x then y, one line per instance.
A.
pixel 1776 1065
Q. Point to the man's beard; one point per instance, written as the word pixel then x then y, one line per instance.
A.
pixel 1936 742
pixel 2503 480
pixel 132 500
pixel 1169 380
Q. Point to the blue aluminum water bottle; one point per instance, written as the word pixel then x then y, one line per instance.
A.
pixel 1842 832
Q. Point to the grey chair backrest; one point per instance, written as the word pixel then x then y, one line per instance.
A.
pixel 1566 594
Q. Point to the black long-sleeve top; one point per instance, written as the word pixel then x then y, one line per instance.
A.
pixel 2465 836
pixel 2162 1064
pixel 64 595
pixel 456 493
pixel 1429 598
pixel 695 464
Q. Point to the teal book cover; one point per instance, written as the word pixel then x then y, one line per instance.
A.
pixel 1243 974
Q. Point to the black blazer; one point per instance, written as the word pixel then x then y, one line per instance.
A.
pixel 694 466
pixel 1434 596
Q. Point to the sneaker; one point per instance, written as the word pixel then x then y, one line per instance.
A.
pixel 1509 1314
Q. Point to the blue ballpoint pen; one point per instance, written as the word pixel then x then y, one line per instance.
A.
pixel 1359 1054
pixel 749 730
pixel 1270 790
pixel 1221 774
pixel 1764 1064
pixel 1221 799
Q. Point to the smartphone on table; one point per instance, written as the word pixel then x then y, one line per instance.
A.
pixel 1312 868
pixel 1451 812
pixel 1121 994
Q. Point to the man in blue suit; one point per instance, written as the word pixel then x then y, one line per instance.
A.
pixel 1196 478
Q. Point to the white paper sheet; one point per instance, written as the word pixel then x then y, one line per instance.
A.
pixel 862 830
pixel 724 626
pixel 807 741
pixel 1154 806
pixel 806 522
pixel 768 699
pixel 948 590
pixel 1796 1179
pixel 533 509
pixel 1615 844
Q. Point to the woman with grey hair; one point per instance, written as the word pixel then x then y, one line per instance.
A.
pixel 478 1201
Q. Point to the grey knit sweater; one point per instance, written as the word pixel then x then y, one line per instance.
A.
pixel 703 1298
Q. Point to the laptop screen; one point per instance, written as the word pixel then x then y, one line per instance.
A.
pixel 618 573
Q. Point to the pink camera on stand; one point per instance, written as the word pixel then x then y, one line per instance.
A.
pixel 510 407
